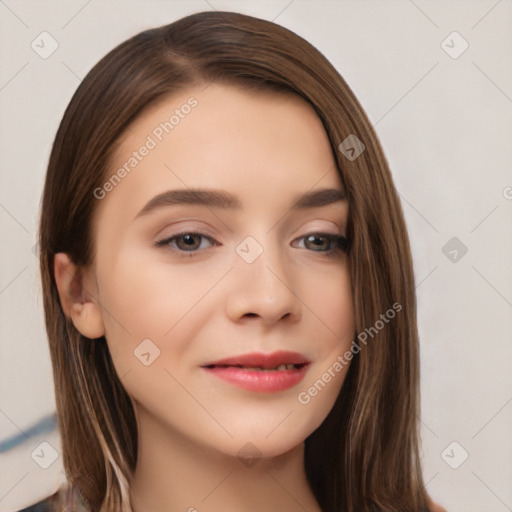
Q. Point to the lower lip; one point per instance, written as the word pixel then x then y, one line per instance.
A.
pixel 257 380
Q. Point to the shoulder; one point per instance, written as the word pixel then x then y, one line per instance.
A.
pixel 434 507
pixel 66 499
pixel 47 505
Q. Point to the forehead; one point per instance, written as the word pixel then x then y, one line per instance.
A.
pixel 262 144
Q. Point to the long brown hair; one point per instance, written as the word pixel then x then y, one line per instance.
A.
pixel 365 455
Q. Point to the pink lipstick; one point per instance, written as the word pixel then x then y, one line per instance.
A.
pixel 268 373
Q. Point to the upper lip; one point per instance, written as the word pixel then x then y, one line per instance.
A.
pixel 262 360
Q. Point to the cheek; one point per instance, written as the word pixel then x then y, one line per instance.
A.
pixel 331 302
pixel 161 302
pixel 328 297
pixel 141 293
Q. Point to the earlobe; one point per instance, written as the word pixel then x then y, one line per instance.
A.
pixel 76 298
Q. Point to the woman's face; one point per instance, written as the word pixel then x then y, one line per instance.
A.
pixel 246 279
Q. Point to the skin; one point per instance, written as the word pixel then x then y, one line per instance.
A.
pixel 434 507
pixel 267 148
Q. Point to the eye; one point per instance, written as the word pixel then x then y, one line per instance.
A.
pixel 188 242
pixel 326 243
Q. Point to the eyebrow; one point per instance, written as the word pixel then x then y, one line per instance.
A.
pixel 221 199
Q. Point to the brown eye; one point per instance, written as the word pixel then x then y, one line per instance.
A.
pixel 326 243
pixel 190 241
pixel 318 242
pixel 186 242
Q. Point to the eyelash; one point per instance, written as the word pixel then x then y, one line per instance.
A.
pixel 340 243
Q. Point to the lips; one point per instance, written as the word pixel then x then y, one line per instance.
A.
pixel 258 360
pixel 261 372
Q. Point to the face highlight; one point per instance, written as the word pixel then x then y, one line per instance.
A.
pixel 225 239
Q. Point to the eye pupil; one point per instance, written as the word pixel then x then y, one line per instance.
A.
pixel 312 238
pixel 189 240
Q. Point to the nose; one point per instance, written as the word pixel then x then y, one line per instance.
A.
pixel 263 289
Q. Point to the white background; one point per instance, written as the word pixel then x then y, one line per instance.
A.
pixel 446 127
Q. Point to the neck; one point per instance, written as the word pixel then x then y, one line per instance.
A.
pixel 175 474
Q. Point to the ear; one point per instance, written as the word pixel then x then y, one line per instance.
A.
pixel 75 287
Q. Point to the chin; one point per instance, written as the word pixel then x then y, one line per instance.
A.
pixel 261 445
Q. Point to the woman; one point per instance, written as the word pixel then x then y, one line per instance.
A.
pixel 228 284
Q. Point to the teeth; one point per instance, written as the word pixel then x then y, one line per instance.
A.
pixel 281 367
